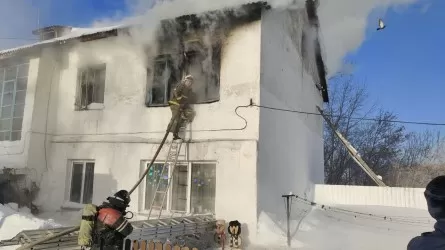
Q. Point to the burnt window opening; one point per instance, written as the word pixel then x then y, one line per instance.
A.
pixel 204 66
pixel 91 87
pixel 165 78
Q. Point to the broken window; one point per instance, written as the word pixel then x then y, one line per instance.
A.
pixel 13 84
pixel 164 79
pixel 82 179
pixel 91 87
pixel 204 65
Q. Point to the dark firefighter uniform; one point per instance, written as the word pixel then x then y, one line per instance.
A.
pixel 435 199
pixel 111 226
pixel 180 103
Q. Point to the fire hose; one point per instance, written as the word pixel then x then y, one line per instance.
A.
pixel 74 229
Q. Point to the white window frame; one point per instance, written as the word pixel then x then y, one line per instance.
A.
pixel 68 201
pixel 13 104
pixel 168 210
pixel 79 95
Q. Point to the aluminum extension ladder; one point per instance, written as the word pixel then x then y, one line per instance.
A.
pixel 170 162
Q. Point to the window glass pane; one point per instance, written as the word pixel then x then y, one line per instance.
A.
pixel 7 99
pixel 9 87
pixel 99 86
pixel 16 135
pixel 5 124
pixel 179 188
pixel 163 78
pixel 151 182
pixel 2 74
pixel 20 97
pixel 88 186
pixel 6 112
pixel 22 83
pixel 11 73
pixel 17 123
pixel 7 136
pixel 23 70
pixel 76 182
pixel 203 188
pixel 18 110
pixel 2 136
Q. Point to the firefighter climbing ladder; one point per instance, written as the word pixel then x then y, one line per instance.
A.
pixel 170 163
pixel 353 152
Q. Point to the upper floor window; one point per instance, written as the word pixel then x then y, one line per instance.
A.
pixel 91 87
pixel 203 64
pixel 165 77
pixel 13 84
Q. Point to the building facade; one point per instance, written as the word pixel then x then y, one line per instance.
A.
pixel 85 114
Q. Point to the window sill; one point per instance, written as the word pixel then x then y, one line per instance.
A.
pixel 92 106
pixel 68 205
pixel 166 105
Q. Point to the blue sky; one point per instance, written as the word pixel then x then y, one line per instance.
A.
pixel 404 65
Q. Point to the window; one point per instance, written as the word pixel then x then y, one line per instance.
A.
pixel 192 188
pixel 13 84
pixel 165 77
pixel 82 179
pixel 203 64
pixel 91 87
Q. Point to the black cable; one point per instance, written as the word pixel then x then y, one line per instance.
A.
pixel 363 215
pixel 353 118
pixel 17 38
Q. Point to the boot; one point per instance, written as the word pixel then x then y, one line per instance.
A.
pixel 176 136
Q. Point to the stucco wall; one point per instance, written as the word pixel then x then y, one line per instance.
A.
pixel 126 132
pixel 290 145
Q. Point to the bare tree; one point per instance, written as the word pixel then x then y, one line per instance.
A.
pixel 378 142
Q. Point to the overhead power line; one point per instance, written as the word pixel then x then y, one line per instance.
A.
pixel 353 118
pixel 18 38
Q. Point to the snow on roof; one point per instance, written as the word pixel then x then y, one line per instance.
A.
pixel 75 33
pixel 79 32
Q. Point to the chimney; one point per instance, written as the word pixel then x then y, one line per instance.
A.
pixel 51 32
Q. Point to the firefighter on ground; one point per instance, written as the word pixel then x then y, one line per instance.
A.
pixel 180 103
pixel 435 199
pixel 111 227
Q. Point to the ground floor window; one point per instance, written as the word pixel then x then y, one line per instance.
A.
pixel 81 181
pixel 192 188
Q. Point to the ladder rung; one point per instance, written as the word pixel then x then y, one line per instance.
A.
pixel 148 224
pixel 157 207
pixel 162 223
pixel 161 192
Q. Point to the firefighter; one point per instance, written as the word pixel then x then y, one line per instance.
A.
pixel 180 103
pixel 435 199
pixel 111 226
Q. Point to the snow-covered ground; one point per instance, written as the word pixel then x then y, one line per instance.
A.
pixel 14 220
pixel 350 227
pixel 345 227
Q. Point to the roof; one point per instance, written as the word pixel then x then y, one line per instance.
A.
pixel 75 33
pixel 92 33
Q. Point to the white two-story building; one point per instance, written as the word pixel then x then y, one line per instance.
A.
pixel 84 110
